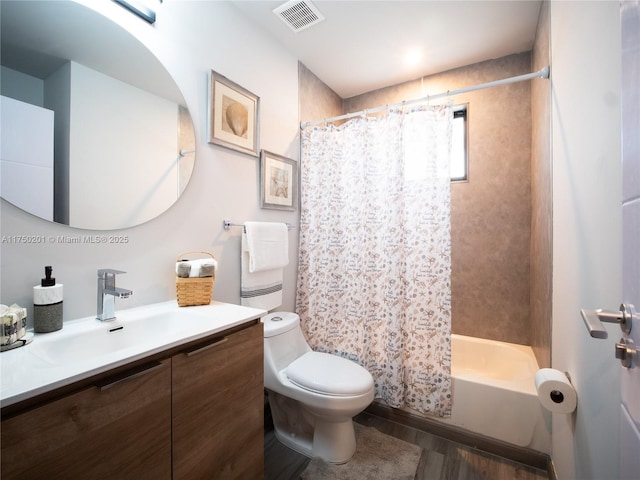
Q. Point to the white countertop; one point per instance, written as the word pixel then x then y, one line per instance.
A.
pixel 57 359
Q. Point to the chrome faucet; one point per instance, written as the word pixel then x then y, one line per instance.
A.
pixel 107 293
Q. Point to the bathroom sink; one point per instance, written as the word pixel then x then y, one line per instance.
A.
pixel 87 346
pixel 107 338
pixel 88 340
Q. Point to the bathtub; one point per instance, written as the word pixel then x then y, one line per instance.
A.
pixel 494 393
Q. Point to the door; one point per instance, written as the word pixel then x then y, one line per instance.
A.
pixel 628 347
pixel 630 378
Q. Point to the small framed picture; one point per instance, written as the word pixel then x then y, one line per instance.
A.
pixel 278 181
pixel 233 115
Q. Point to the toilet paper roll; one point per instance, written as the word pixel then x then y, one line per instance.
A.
pixel 555 391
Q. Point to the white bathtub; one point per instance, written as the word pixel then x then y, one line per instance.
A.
pixel 494 393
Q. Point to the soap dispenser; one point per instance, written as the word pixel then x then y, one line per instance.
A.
pixel 47 304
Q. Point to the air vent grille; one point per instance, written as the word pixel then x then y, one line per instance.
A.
pixel 299 14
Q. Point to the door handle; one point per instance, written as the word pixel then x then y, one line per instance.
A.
pixel 593 319
pixel 206 347
pixel 129 375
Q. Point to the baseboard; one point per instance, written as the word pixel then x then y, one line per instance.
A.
pixel 522 455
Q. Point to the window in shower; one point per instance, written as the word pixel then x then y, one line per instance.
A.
pixel 459 163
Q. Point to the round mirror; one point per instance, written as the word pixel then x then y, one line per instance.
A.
pixel 95 132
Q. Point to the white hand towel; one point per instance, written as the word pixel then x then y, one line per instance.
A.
pixel 267 244
pixel 260 289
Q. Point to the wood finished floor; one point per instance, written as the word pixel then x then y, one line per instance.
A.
pixel 441 459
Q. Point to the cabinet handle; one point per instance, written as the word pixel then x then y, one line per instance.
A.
pixel 206 347
pixel 129 375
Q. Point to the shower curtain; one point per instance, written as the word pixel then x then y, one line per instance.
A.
pixel 375 262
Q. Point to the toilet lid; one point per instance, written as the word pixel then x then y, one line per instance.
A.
pixel 329 374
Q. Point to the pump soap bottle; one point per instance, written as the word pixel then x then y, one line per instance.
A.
pixel 47 304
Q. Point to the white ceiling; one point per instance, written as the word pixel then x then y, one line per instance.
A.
pixel 361 45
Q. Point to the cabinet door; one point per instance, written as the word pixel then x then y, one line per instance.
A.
pixel 218 403
pixel 118 429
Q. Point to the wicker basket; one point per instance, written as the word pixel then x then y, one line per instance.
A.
pixel 194 291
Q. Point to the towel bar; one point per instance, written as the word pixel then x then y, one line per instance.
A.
pixel 227 224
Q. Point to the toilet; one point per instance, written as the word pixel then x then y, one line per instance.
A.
pixel 313 396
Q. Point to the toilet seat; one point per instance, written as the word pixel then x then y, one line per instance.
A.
pixel 329 375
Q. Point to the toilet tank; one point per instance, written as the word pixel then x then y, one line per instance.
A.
pixel 283 340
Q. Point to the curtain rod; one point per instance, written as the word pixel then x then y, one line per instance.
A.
pixel 542 73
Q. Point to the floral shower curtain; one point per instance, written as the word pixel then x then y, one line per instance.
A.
pixel 375 263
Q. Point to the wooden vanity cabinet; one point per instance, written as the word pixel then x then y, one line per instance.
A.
pixel 119 428
pixel 194 412
pixel 218 408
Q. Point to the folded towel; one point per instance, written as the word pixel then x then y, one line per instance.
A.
pixel 267 244
pixel 13 323
pixel 205 267
pixel 183 268
pixel 207 270
pixel 259 289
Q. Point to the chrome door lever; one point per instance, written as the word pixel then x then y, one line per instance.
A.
pixel 593 320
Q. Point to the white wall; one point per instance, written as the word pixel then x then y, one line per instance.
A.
pixel 586 61
pixel 22 87
pixel 190 38
pixel 26 156
pixel 131 135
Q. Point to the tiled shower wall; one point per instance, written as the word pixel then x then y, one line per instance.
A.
pixel 317 101
pixel 491 213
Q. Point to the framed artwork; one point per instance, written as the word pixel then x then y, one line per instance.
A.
pixel 278 181
pixel 233 115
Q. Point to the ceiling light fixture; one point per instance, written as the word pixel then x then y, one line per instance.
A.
pixel 413 57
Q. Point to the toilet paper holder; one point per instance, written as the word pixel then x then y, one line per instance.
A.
pixel 557 395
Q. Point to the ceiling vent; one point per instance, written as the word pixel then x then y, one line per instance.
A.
pixel 299 14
